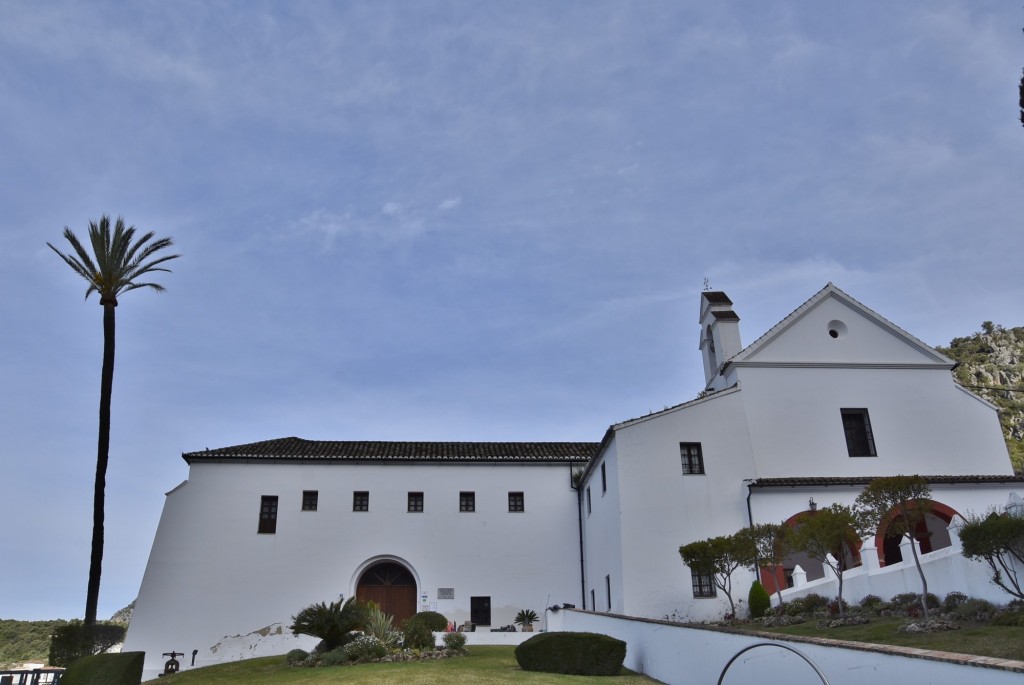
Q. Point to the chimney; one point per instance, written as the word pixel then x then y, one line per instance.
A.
pixel 719 335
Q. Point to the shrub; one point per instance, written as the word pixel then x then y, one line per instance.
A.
pixel 454 641
pixel 416 635
pixel 572 653
pixel 1008 618
pixel 806 605
pixel 335 657
pixel 975 610
pixel 870 602
pixel 365 648
pixel 431 619
pixel 953 600
pixel 106 669
pixel 758 600
pixel 76 640
pixel 911 601
pixel 837 607
pixel 296 656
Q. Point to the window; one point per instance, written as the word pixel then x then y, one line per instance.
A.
pixel 467 502
pixel 604 479
pixel 360 500
pixel 593 600
pixel 268 514
pixel 480 611
pixel 859 440
pixel 309 499
pixel 516 501
pixel 590 507
pixel 693 459
pixel 703 584
pixel 608 590
pixel 415 501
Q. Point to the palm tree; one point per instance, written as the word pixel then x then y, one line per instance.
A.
pixel 116 264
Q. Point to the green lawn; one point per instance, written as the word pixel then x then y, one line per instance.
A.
pixel 1005 642
pixel 484 665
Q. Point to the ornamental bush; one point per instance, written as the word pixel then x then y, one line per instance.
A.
pixel 416 635
pixel 953 600
pixel 758 600
pixel 572 653
pixel 296 656
pixel 431 619
pixel 335 657
pixel 365 648
pixel 454 641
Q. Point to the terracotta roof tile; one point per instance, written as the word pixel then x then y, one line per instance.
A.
pixel 297 449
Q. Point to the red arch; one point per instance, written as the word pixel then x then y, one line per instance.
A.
pixel 943 511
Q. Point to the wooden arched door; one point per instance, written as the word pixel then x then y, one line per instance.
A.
pixel 392 587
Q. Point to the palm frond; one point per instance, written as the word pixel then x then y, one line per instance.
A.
pixel 117 259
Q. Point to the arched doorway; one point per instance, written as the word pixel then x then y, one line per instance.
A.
pixel 390 586
pixel 781 577
pixel 931 534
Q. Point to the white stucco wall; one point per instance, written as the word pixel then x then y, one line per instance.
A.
pixel 210 575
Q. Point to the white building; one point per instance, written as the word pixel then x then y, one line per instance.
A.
pixel 830 397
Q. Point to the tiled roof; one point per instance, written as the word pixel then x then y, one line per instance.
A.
pixel 864 480
pixel 297 449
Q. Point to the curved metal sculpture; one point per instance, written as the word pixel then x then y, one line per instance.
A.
pixel 800 654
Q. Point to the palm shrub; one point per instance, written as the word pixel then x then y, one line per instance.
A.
pixel 332 622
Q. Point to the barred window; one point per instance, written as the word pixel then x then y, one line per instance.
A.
pixel 516 501
pixel 860 442
pixel 309 499
pixel 467 501
pixel 361 500
pixel 415 501
pixel 692 458
pixel 703 584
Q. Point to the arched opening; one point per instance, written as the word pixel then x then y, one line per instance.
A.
pixel 782 576
pixel 391 586
pixel 932 533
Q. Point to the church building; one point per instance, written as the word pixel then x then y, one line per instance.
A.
pixel 806 415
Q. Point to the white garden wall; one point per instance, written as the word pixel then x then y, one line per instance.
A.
pixel 683 655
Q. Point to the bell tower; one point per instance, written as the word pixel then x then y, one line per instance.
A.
pixel 719 335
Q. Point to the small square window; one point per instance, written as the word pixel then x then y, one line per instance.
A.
pixel 467 501
pixel 268 514
pixel 516 501
pixel 415 502
pixel 860 442
pixel 309 499
pixel 703 584
pixel 361 500
pixel 692 458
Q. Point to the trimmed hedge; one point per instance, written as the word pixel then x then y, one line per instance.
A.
pixel 758 600
pixel 431 619
pixel 106 669
pixel 572 654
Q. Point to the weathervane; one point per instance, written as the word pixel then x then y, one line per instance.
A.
pixel 707 284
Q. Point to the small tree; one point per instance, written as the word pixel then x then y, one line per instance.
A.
pixel 768 543
pixel 903 503
pixel 718 557
pixel 332 622
pixel 998 540
pixel 827 535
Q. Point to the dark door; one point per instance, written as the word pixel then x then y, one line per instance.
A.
pixel 480 611
pixel 391 587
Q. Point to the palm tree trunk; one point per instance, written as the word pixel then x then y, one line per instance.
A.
pixel 102 454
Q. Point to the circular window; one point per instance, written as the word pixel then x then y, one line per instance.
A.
pixel 836 328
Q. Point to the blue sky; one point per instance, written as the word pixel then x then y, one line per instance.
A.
pixel 461 221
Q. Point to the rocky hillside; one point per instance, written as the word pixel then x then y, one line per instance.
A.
pixel 991 364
